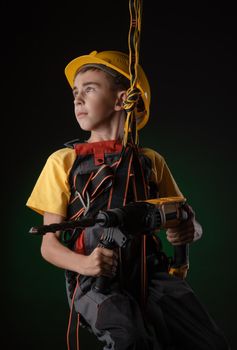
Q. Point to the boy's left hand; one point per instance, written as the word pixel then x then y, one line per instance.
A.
pixel 186 232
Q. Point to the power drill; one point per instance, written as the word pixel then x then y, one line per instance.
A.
pixel 143 218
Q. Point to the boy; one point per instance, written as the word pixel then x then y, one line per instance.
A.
pixel 98 174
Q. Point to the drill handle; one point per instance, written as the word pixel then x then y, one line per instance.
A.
pixel 102 284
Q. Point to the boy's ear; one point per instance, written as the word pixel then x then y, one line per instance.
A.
pixel 121 97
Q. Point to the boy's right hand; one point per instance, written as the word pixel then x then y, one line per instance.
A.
pixel 101 261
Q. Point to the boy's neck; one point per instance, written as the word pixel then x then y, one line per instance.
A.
pixel 99 138
pixel 115 131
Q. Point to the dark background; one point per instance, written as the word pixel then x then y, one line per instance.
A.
pixel 190 60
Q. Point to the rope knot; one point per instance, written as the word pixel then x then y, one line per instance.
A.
pixel 133 95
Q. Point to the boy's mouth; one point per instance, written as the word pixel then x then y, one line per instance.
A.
pixel 81 114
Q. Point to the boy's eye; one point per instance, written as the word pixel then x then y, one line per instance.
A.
pixel 89 88
pixel 75 93
pixel 86 90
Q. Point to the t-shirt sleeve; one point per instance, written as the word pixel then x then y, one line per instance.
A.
pixel 51 192
pixel 162 176
pixel 167 185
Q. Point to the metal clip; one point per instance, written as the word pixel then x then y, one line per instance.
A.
pixel 86 205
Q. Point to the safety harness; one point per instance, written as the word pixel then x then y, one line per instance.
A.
pixel 105 175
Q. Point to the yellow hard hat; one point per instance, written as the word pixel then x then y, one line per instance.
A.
pixel 118 61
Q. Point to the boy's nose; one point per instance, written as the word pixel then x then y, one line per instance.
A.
pixel 79 99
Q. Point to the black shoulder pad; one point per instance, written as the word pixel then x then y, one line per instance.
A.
pixel 70 144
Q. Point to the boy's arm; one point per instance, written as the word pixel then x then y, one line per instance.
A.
pixel 187 231
pixel 100 262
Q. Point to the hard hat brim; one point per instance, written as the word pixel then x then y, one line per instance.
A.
pixel 78 62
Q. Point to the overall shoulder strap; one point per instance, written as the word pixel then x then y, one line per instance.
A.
pixel 129 172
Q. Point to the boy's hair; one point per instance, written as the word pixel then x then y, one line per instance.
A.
pixel 118 81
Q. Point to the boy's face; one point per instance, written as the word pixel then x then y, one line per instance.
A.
pixel 95 102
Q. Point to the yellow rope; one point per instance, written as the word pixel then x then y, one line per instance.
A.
pixel 133 94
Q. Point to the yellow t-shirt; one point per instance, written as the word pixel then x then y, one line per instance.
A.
pixel 51 192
